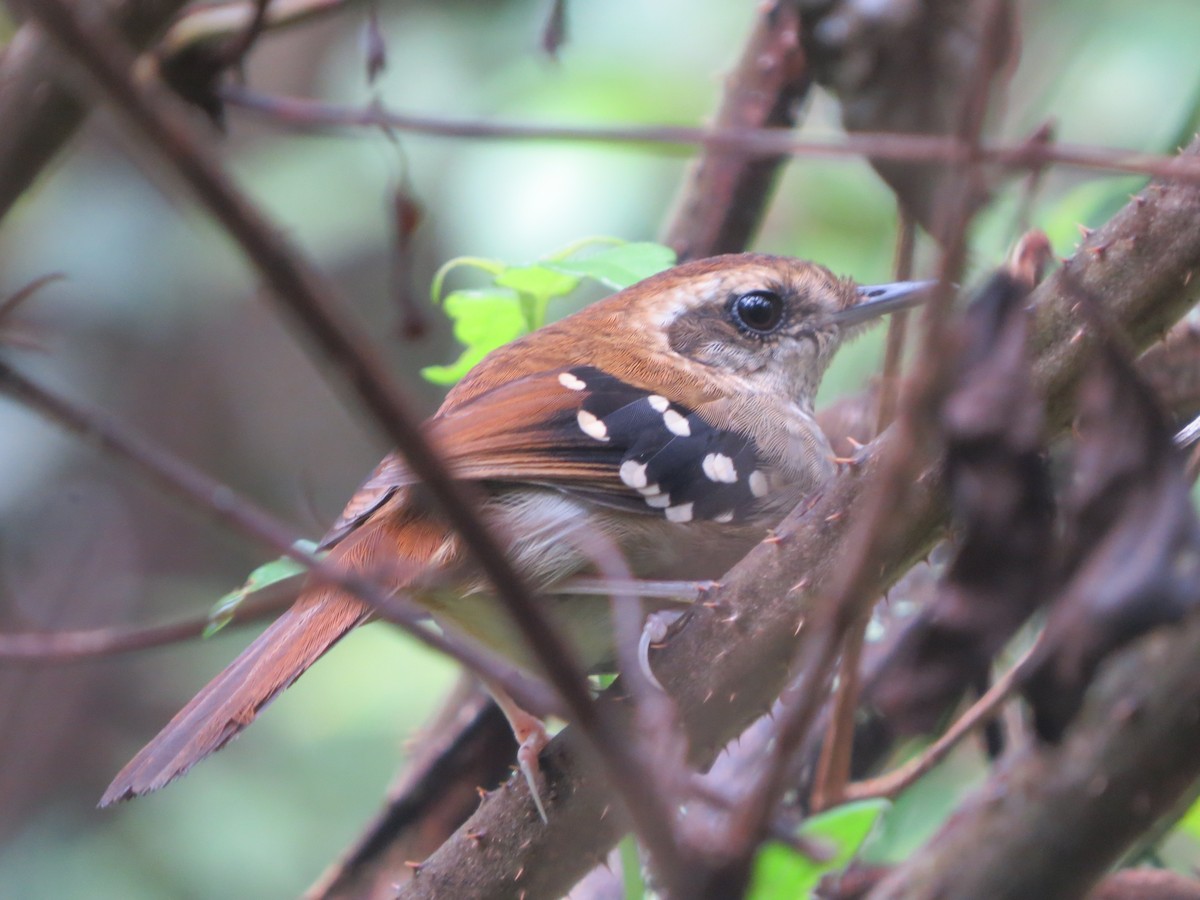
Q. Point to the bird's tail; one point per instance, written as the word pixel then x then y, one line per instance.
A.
pixel 233 699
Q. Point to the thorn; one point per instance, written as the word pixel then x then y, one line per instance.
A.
pixel 1100 250
pixel 1187 278
pixel 415 866
pixel 707 697
pixel 604 813
pixel 1138 200
pixel 1076 337
pixel 1084 230
pixel 799 585
pixel 799 628
pixel 520 872
pixel 833 517
pixel 732 696
pixel 476 837
pixel 774 538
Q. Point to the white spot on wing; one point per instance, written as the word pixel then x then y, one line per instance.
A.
pixel 657 403
pixel 724 517
pixel 633 473
pixel 758 484
pixel 658 501
pixel 680 513
pixel 650 490
pixel 570 382
pixel 591 426
pixel 676 423
pixel 719 467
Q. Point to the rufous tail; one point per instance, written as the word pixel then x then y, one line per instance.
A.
pixel 233 699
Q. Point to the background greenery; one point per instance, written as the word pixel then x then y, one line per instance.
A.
pixel 159 322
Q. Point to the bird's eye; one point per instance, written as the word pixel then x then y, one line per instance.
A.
pixel 758 311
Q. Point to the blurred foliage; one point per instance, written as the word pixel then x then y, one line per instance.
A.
pixel 159 322
pixel 782 873
pixel 519 297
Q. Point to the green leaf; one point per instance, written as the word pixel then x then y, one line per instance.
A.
pixel 619 267
pixel 279 573
pixel 780 873
pixel 537 286
pixel 1189 824
pixel 483 320
pixel 631 868
pixel 537 281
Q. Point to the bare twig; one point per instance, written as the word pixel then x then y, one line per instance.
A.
pixel 313 115
pixel 175 477
pixel 206 23
pixel 981 711
pixel 724 195
pixel 833 767
pixel 889 387
pixel 72 646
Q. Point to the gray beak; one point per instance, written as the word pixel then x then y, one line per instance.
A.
pixel 876 300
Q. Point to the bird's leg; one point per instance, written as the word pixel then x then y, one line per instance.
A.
pixel 654 631
pixel 531 736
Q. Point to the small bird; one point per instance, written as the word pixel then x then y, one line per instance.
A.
pixel 675 418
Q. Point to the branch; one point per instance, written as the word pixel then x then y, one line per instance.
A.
pixel 1127 757
pixel 39 109
pixel 753 629
pixel 305 115
pixel 725 194
pixel 70 646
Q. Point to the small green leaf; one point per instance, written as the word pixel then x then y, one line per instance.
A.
pixel 483 320
pixel 619 267
pixel 631 868
pixel 268 575
pixel 780 873
pixel 1189 824
pixel 537 281
pixel 537 286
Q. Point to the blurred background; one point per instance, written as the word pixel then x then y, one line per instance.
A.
pixel 159 322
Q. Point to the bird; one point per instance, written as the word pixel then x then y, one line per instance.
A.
pixel 674 418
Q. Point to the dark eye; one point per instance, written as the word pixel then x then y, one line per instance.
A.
pixel 759 311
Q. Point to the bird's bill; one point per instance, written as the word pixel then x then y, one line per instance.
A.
pixel 876 300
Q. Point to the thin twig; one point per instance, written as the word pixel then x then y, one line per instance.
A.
pixel 981 711
pixel 175 477
pixel 71 646
pixel 889 379
pixel 303 114
pixel 833 766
